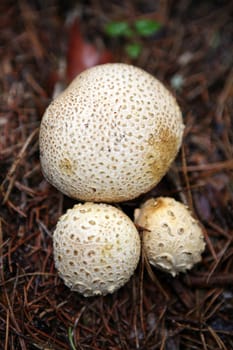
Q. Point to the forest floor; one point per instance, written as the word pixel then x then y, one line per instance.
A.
pixel 42 47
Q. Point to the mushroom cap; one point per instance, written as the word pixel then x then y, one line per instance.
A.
pixel 172 239
pixel 111 135
pixel 96 248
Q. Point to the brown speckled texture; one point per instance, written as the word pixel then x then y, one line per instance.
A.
pixel 172 239
pixel 96 248
pixel 111 135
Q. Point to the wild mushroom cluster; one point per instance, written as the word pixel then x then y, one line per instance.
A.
pixel 110 137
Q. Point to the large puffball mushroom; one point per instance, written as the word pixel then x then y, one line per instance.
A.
pixel 172 239
pixel 96 248
pixel 111 135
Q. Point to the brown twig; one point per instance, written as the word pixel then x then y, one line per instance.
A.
pixel 11 175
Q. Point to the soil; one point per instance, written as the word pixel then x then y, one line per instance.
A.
pixel 43 44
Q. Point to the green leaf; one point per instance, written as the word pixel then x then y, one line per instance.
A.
pixel 146 27
pixel 133 50
pixel 70 337
pixel 116 29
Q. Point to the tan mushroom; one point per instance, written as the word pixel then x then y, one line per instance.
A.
pixel 111 135
pixel 96 248
pixel 172 239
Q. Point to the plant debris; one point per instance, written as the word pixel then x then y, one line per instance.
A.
pixel 154 310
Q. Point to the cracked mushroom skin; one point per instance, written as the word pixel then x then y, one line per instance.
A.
pixel 96 248
pixel 111 135
pixel 173 240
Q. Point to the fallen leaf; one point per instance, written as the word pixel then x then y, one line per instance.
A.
pixel 82 54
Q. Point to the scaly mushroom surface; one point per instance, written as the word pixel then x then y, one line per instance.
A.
pixel 111 135
pixel 173 240
pixel 96 248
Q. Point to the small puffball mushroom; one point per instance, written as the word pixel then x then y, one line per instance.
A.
pixel 96 248
pixel 172 239
pixel 111 135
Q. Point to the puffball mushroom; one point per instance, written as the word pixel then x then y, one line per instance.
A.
pixel 172 239
pixel 96 248
pixel 111 135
